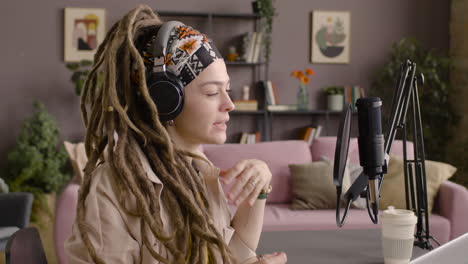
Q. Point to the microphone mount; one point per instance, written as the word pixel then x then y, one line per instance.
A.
pixel 414 169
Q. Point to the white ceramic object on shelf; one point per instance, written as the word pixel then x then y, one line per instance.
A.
pixel 335 102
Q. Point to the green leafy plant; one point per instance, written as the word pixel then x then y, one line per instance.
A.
pixel 36 164
pixel 267 11
pixel 438 116
pixel 80 71
pixel 332 90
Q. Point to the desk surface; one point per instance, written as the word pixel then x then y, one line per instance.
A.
pixel 363 246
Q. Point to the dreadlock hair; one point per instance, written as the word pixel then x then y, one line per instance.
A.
pixel 109 105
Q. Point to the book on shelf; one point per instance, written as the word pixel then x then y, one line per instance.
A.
pixel 251 46
pixel 275 94
pixel 257 46
pixel 363 93
pixel 269 90
pixel 308 134
pixel 246 105
pixel 352 94
pixel 247 46
pixel 250 138
pixel 282 107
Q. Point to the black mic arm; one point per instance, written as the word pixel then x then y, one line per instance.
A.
pixel 415 179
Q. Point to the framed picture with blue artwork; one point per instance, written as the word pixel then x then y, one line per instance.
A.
pixel 84 30
pixel 330 36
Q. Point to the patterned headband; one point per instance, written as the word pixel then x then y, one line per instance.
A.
pixel 188 53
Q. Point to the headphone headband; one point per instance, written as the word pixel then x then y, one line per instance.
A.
pixel 158 49
pixel 173 57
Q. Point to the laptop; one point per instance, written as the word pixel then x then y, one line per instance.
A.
pixel 455 251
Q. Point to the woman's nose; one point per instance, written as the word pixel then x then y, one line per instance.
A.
pixel 228 105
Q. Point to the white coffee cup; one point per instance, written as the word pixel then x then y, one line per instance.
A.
pixel 397 235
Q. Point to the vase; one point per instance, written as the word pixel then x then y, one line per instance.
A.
pixel 302 100
pixel 335 102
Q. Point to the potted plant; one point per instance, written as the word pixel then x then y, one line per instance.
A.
pixel 334 97
pixel 36 164
pixel 437 114
pixel 266 11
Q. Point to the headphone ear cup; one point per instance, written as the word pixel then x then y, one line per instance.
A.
pixel 167 92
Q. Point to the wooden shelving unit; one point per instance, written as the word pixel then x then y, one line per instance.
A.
pixel 264 118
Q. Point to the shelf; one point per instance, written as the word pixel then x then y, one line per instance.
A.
pixel 243 63
pixel 242 112
pixel 205 14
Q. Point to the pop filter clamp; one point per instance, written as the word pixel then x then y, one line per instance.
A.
pixel 414 170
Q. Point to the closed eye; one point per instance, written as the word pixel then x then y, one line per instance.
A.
pixel 227 91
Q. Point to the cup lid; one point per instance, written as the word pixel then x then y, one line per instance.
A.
pixel 399 216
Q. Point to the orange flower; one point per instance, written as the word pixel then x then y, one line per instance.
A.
pixel 301 76
pixel 309 71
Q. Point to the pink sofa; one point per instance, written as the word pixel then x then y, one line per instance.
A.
pixel 448 221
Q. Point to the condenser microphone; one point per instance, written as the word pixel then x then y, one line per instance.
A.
pixel 371 144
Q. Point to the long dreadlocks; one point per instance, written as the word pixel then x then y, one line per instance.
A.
pixel 109 105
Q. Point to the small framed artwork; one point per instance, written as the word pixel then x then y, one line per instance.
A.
pixel 330 36
pixel 84 31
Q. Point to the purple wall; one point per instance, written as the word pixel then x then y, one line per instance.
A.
pixel 32 64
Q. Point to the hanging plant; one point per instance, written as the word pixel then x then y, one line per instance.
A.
pixel 267 11
pixel 80 72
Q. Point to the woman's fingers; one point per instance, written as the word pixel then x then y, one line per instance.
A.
pixel 251 190
pixel 252 197
pixel 232 173
pixel 249 177
pixel 242 184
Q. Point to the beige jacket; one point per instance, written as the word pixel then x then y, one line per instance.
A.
pixel 116 236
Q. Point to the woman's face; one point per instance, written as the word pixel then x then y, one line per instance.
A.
pixel 204 118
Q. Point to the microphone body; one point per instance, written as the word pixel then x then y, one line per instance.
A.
pixel 371 144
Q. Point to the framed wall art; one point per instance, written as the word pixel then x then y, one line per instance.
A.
pixel 84 31
pixel 330 36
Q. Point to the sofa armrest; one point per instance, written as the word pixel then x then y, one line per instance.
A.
pixel 452 203
pixel 15 208
pixel 65 213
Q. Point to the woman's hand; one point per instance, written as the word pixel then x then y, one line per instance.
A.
pixel 275 258
pixel 250 177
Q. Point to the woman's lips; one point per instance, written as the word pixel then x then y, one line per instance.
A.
pixel 220 125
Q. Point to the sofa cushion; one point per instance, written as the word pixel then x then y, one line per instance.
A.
pixel 313 186
pixel 277 155
pixel 393 187
pixel 278 217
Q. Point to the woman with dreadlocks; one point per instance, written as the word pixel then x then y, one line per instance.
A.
pixel 157 91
